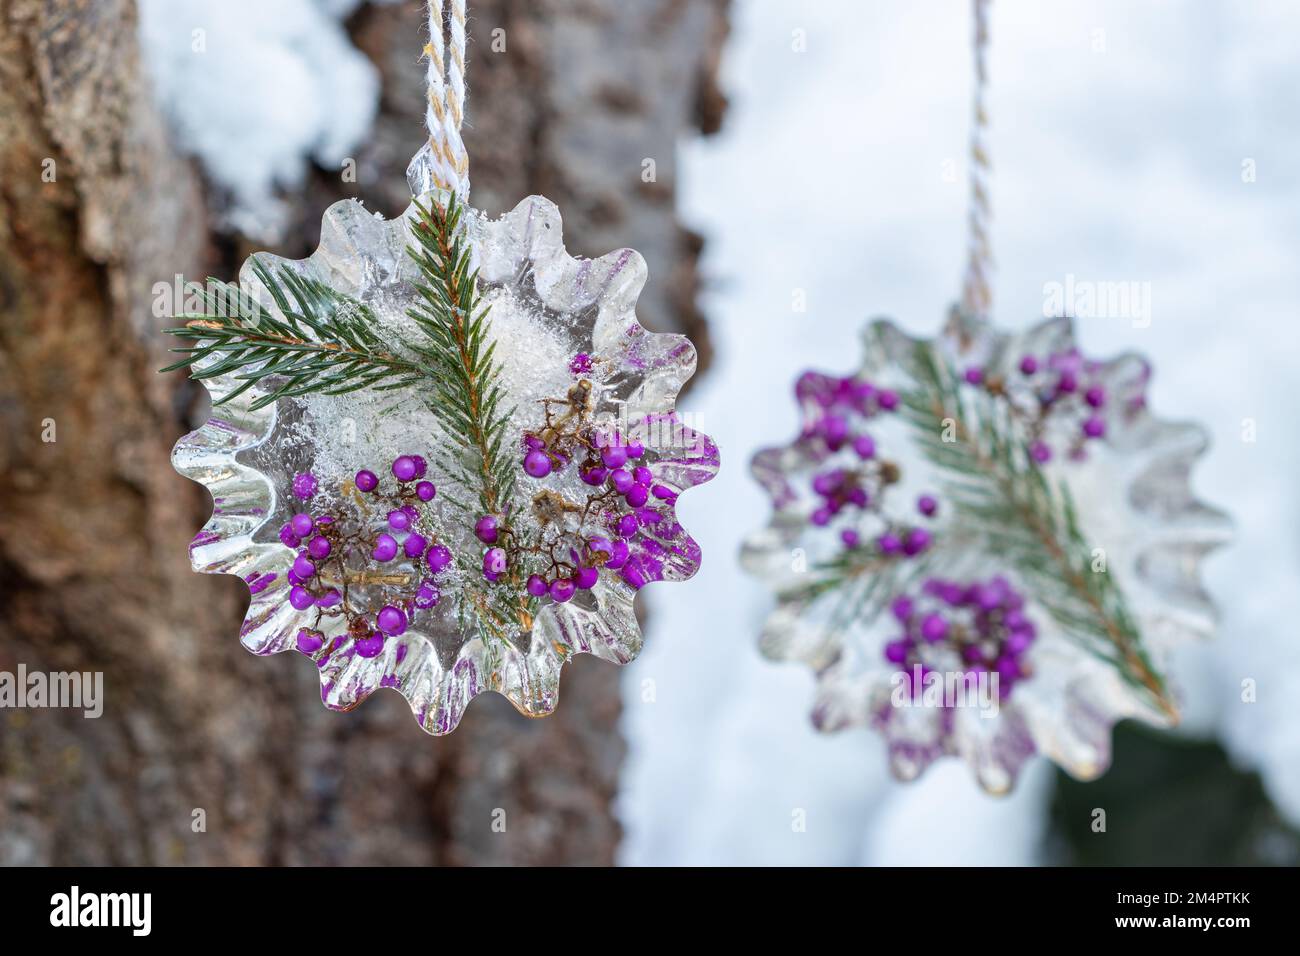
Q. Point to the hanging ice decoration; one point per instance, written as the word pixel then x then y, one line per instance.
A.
pixel 443 453
pixel 985 545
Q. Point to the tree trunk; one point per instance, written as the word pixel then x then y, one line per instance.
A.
pixel 95 207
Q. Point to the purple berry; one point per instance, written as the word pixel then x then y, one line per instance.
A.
pixel 1095 396
pixel 1028 365
pixel 1018 642
pixel 974 375
pixel 303 567
pixel 635 449
pixel 643 475
pixel 825 483
pixel 421 466
pixel 887 399
pixel 627 526
pixel 637 495
pixel 821 516
pixel 289 539
pixel 934 627
pixel 614 456
pixel 427 595
pixel 835 429
pixel 537 585
pixel 618 555
pixel 1067 383
pixel 486 529
pixel 902 608
pixel 1007 668
pixel 1094 427
pixel 319 547
pixel 404 468
pixel 300 598
pixel 426 490
pixel 917 540
pixel 494 561
pixel 889 543
pixel 562 589
pixel 537 464
pixel 385 547
pixel 414 544
pixel 927 505
pixel 301 524
pixel 366 480
pixel 1040 452
pixel 372 645
pixel 391 620
pixel 439 557
pixel 586 578
pixel 580 364
pixel 865 446
pixel 304 485
pixel 309 641
pixel 399 520
pixel 622 480
pixel 896 652
pixel 850 538
pixel 599 548
pixel 331 598
pixel 594 476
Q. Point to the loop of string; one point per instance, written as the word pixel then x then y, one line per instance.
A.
pixel 976 294
pixel 445 112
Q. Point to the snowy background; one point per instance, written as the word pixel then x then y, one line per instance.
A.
pixel 1120 132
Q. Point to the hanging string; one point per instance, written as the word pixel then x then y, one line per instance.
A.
pixel 976 295
pixel 445 112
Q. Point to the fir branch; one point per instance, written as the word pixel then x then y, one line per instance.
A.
pixel 466 387
pixel 466 394
pixel 325 343
pixel 1003 496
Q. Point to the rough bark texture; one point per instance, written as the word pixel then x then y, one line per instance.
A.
pixel 94 525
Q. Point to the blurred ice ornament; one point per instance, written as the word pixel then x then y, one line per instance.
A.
pixel 998 543
pixel 985 545
pixel 444 454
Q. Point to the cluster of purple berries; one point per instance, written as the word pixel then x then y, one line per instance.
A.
pixel 836 401
pixel 1063 387
pixel 980 626
pixel 617 470
pixel 905 542
pixel 331 541
pixel 584 572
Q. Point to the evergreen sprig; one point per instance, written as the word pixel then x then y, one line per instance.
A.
pixel 329 343
pixel 326 342
pixel 464 381
pixel 1003 496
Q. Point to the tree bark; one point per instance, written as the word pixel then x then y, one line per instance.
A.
pixel 95 207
